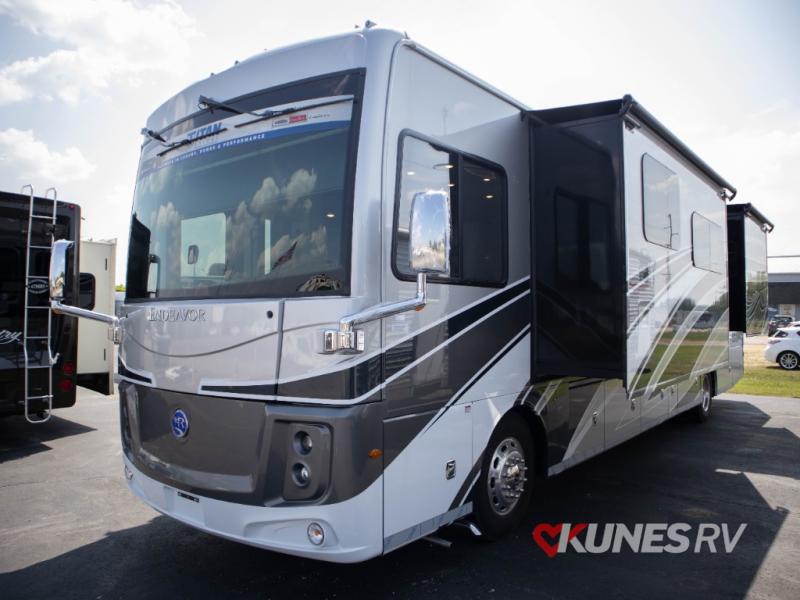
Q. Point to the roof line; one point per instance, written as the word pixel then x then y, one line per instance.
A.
pixel 632 107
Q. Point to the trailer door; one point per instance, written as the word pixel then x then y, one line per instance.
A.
pixel 95 350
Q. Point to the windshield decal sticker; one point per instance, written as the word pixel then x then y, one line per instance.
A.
pixel 149 166
pixel 212 137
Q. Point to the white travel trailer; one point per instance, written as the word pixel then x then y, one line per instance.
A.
pixel 369 295
pixel 95 349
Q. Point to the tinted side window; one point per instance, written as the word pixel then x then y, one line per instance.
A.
pixel 582 240
pixel 478 204
pixel 661 203
pixel 86 291
pixel 481 217
pixel 706 244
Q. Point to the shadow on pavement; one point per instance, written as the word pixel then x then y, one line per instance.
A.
pixel 679 472
pixel 19 439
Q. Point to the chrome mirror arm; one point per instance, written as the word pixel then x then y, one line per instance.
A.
pixel 58 277
pixel 114 323
pixel 348 339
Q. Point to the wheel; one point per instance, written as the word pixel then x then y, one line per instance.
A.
pixel 503 490
pixel 703 410
pixel 788 360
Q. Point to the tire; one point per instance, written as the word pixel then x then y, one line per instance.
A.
pixel 788 360
pixel 702 411
pixel 510 448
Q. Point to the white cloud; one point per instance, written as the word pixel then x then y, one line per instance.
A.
pixel 108 43
pixel 761 157
pixel 31 158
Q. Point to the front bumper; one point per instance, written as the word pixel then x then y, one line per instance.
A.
pixel 353 528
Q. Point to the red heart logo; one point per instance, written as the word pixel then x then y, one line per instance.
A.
pixel 554 531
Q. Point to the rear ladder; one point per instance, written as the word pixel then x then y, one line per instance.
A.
pixel 43 342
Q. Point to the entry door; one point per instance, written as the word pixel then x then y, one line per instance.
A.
pixel 95 350
pixel 434 357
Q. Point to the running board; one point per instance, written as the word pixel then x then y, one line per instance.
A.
pixel 473 528
pixel 438 541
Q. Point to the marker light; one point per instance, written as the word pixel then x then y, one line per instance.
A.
pixel 316 535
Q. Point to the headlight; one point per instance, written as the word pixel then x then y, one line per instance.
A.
pixel 301 474
pixel 303 443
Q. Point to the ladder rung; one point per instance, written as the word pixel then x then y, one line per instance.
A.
pixel 37 337
pixel 38 277
pixel 41 247
pixel 38 367
pixel 38 308
pixel 39 397
pixel 44 217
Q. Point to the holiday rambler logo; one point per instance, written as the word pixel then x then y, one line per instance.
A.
pixel 9 337
pixel 644 538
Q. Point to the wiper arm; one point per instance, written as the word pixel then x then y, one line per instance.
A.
pixel 209 103
pixel 271 114
pixel 188 140
pixel 154 136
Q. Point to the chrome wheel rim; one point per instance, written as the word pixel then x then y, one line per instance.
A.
pixel 706 395
pixel 788 361
pixel 506 477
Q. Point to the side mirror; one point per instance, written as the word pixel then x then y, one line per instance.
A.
pixel 58 277
pixel 58 269
pixel 429 242
pixel 192 254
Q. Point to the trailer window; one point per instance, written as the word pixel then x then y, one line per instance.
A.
pixel 478 204
pixel 661 203
pixel 707 244
pixel 86 291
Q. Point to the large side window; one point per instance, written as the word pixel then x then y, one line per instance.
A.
pixel 582 240
pixel 707 244
pixel 661 203
pixel 477 191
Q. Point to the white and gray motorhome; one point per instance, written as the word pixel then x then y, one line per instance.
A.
pixel 369 295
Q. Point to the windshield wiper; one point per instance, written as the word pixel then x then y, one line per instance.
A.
pixel 204 102
pixel 188 140
pixel 153 135
pixel 211 104
pixel 271 114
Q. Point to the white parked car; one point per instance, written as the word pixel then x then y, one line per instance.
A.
pixel 784 348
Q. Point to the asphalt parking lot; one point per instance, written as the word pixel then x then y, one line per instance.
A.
pixel 70 528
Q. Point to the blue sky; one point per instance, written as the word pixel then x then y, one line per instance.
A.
pixel 78 79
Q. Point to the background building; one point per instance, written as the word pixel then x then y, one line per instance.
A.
pixel 784 294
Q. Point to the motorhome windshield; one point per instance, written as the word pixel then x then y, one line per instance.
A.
pixel 258 210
